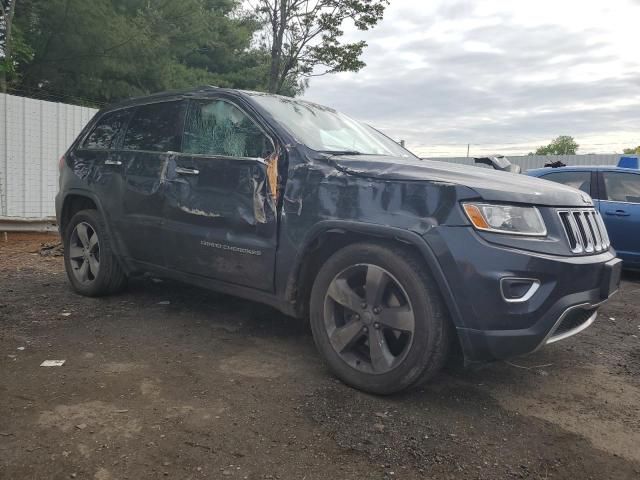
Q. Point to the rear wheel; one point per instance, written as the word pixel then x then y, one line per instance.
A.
pixel 378 319
pixel 90 262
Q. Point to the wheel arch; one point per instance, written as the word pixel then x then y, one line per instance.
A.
pixel 328 236
pixel 72 203
pixel 76 200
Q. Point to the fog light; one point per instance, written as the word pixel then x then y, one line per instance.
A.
pixel 515 290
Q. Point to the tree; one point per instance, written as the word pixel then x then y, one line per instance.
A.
pixel 562 145
pixel 13 49
pixel 632 151
pixel 7 12
pixel 104 50
pixel 302 35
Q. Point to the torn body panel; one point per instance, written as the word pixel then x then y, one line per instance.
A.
pixel 317 191
pixel 228 203
pixel 273 169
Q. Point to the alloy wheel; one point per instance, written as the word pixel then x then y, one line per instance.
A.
pixel 369 318
pixel 84 253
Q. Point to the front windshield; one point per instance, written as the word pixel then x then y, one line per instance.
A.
pixel 326 130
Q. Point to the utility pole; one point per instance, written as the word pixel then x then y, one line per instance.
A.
pixel 468 150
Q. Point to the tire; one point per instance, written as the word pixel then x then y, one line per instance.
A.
pixel 91 264
pixel 403 358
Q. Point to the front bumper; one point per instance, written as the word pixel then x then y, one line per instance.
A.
pixel 572 321
pixel 489 326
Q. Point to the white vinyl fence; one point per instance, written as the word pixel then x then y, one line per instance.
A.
pixel 33 136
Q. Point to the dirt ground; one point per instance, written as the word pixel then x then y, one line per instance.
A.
pixel 170 381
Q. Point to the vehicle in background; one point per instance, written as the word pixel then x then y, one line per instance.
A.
pixel 616 194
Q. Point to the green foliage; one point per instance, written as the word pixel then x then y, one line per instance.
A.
pixel 632 151
pixel 13 50
pixel 303 38
pixel 101 51
pixel 21 54
pixel 562 145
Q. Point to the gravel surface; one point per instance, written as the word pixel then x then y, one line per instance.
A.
pixel 170 381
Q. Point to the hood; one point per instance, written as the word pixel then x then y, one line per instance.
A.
pixel 490 185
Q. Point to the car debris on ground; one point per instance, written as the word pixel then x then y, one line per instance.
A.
pixel 52 249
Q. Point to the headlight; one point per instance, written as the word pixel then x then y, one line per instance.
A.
pixel 506 219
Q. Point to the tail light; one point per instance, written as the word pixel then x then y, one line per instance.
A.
pixel 61 162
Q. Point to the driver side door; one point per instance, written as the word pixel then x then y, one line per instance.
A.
pixel 220 200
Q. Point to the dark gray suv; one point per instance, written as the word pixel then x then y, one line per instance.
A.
pixel 394 259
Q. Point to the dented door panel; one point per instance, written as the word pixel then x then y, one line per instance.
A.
pixel 153 134
pixel 142 205
pixel 221 221
pixel 220 214
pixel 109 186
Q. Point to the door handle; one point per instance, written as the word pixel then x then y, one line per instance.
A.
pixel 187 171
pixel 617 213
pixel 112 162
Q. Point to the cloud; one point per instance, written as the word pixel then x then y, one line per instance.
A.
pixel 461 72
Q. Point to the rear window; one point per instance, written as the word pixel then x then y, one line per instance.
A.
pixel 155 128
pixel 622 187
pixel 104 134
pixel 579 180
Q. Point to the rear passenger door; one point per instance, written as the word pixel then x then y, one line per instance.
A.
pixel 620 210
pixel 220 204
pixel 97 159
pixel 152 138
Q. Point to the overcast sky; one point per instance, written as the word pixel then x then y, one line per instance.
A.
pixel 504 76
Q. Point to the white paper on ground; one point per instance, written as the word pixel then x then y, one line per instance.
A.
pixel 52 363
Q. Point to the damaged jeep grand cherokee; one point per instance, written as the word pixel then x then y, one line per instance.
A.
pixel 394 259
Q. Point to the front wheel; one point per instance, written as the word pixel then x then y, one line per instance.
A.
pixel 89 259
pixel 377 318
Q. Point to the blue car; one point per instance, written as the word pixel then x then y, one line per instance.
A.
pixel 616 193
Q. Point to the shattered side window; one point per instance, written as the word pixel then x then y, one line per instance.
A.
pixel 105 132
pixel 219 128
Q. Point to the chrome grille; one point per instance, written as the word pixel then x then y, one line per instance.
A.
pixel 585 230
